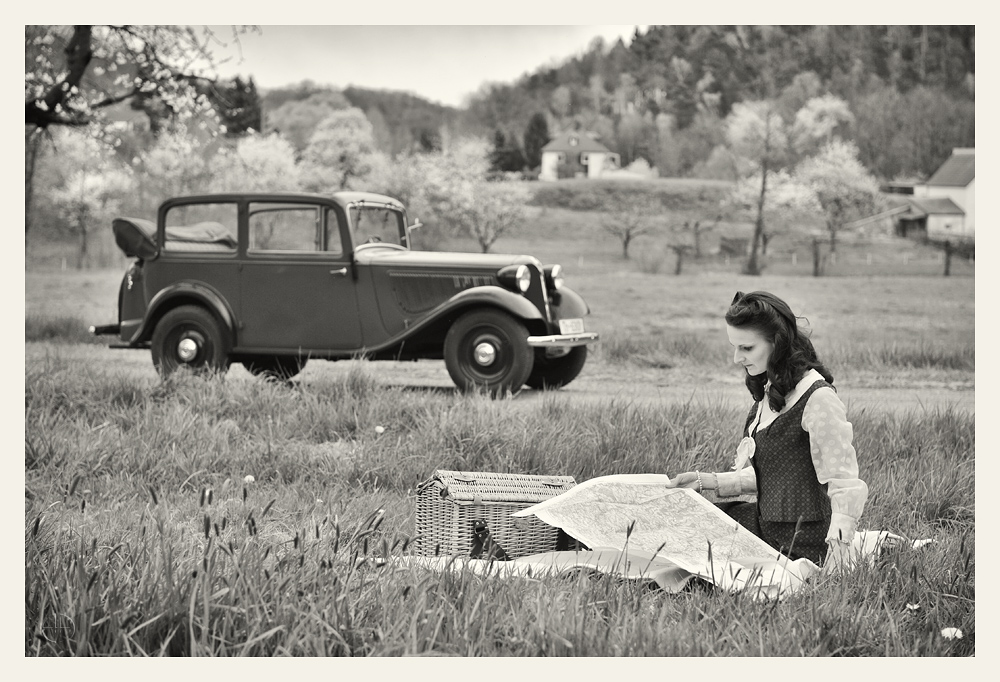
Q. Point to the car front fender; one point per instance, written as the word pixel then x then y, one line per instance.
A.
pixel 571 304
pixel 516 304
pixel 490 296
pixel 182 293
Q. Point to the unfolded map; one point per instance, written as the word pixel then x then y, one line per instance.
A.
pixel 638 511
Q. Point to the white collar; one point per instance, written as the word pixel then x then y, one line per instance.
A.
pixel 766 415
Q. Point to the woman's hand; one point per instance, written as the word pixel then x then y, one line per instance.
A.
pixel 688 479
pixel 838 557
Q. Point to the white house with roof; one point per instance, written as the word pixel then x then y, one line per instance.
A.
pixel 575 155
pixel 946 203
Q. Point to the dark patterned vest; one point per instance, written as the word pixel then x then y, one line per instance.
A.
pixel 787 488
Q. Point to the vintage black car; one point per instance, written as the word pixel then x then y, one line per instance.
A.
pixel 273 280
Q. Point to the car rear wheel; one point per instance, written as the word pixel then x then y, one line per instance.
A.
pixel 189 336
pixel 488 350
pixel 276 367
pixel 556 372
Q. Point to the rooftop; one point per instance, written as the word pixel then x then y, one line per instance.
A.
pixel 958 171
pixel 574 142
pixel 937 206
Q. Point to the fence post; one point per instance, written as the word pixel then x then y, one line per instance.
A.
pixel 947 257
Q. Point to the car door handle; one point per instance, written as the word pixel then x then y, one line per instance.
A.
pixel 342 272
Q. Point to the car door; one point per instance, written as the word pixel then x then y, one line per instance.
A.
pixel 296 282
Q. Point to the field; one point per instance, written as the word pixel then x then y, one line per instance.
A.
pixel 144 536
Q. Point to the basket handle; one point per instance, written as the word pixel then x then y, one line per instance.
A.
pixel 551 484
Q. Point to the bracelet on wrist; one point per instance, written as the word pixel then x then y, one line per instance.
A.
pixel 701 486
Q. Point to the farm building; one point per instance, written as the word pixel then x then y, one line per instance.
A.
pixel 576 155
pixel 946 204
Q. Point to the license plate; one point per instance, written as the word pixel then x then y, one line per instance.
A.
pixel 573 325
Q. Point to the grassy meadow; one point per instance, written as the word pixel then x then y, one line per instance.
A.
pixel 230 516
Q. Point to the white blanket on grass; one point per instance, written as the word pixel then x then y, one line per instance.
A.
pixel 763 578
pixel 642 530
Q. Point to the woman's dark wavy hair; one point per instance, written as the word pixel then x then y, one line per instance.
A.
pixel 793 353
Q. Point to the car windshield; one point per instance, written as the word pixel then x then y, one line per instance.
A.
pixel 377 224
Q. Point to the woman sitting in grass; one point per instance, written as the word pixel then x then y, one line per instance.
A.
pixel 798 441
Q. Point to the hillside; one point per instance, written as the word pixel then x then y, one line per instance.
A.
pixel 402 121
pixel 911 90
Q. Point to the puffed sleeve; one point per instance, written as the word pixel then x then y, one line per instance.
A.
pixel 831 445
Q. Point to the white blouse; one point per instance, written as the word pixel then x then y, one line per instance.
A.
pixel 830 444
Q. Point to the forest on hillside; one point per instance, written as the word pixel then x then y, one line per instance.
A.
pixel 664 98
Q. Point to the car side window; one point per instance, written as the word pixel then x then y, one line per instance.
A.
pixel 202 228
pixel 276 228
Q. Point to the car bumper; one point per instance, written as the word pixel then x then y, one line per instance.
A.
pixel 562 340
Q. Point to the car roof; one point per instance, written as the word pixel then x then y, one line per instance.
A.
pixel 342 198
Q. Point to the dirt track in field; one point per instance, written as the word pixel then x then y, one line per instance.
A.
pixel 604 383
pixel 599 381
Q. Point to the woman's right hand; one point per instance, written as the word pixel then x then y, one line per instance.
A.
pixel 688 479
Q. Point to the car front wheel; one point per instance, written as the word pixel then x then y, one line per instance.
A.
pixel 488 350
pixel 556 372
pixel 189 336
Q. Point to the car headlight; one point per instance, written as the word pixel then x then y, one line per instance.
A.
pixel 517 277
pixel 553 276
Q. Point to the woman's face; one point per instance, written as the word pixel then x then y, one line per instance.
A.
pixel 751 349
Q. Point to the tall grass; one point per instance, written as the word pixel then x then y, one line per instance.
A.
pixel 918 354
pixel 144 537
pixel 63 328
pixel 664 349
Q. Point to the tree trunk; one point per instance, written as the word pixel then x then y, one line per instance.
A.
pixel 82 255
pixel 947 258
pixel 753 267
pixel 817 261
pixel 30 158
pixel 625 240
pixel 924 49
pixel 680 261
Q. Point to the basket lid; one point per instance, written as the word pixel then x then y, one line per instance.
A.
pixel 484 486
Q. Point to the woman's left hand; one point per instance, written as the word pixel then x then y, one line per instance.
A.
pixel 838 557
pixel 688 479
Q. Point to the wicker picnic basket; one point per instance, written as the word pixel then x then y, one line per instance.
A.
pixel 450 503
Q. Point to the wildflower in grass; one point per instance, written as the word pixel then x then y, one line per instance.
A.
pixel 248 479
pixel 380 430
pixel 912 607
pixel 951 633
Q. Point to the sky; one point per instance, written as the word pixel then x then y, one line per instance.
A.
pixel 443 64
